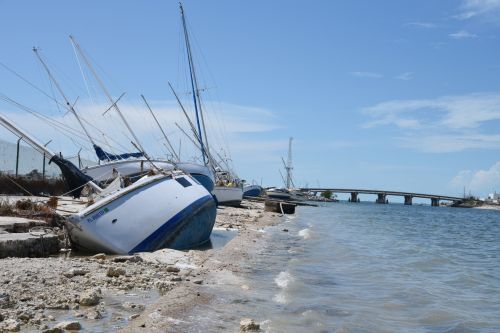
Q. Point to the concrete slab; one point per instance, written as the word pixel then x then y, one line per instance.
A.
pixel 28 245
pixel 19 224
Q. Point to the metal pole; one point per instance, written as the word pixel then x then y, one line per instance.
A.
pixel 17 157
pixel 43 168
pixel 79 159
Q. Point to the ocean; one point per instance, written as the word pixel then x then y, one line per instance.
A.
pixel 363 267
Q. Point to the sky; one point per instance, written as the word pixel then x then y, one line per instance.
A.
pixel 395 95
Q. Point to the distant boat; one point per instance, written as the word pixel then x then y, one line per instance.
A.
pixel 169 209
pixel 252 190
pixel 228 191
pixel 278 193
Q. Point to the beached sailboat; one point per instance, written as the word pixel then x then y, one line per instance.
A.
pixel 131 165
pixel 228 189
pixel 252 190
pixel 167 209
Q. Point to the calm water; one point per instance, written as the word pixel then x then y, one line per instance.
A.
pixel 366 268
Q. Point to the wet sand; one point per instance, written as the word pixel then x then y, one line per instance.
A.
pixel 146 292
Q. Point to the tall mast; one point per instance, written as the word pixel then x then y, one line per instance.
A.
pixel 170 148
pixel 68 104
pixel 106 92
pixel 194 89
pixel 288 166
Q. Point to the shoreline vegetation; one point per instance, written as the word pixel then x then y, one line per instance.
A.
pixel 70 291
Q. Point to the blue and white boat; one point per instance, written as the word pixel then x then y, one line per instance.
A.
pixel 252 190
pixel 169 209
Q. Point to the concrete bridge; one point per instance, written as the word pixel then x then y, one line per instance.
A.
pixel 382 195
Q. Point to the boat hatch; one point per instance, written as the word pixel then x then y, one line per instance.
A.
pixel 183 181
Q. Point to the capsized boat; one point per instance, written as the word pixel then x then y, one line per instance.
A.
pixel 165 210
pixel 137 167
pixel 252 190
pixel 169 209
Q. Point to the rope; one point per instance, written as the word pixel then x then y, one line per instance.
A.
pixel 22 188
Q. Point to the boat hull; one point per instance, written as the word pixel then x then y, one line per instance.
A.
pixel 252 190
pixel 139 167
pixel 160 212
pixel 228 196
pixel 278 194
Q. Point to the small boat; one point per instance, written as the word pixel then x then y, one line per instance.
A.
pixel 278 193
pixel 252 190
pixel 168 209
pixel 228 195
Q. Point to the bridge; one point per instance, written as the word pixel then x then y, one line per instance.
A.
pixel 382 195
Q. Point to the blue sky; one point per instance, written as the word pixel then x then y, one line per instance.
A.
pixel 397 95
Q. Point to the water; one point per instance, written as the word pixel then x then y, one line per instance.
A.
pixel 366 268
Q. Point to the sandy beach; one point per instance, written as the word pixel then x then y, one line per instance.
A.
pixel 146 291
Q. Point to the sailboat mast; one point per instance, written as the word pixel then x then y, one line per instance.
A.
pixel 288 166
pixel 58 87
pixel 170 148
pixel 106 92
pixel 194 86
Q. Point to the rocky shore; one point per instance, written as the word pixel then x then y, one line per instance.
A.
pixel 107 293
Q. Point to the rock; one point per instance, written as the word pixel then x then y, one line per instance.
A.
pixel 93 314
pixel 127 258
pixel 176 279
pixel 247 324
pixel 69 325
pixel 11 325
pixel 99 256
pixel 135 315
pixel 90 297
pixel 115 271
pixel 198 281
pixel 4 300
pixel 1 317
pixel 172 269
pixel 53 330
pixel 75 272
pixel 285 230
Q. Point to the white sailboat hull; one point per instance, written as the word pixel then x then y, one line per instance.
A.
pixel 134 167
pixel 153 213
pixel 228 196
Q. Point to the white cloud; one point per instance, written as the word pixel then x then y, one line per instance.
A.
pixel 371 75
pixel 453 112
pixel 225 125
pixel 447 143
pixel 475 8
pixel 443 124
pixel 405 76
pixel 423 25
pixel 462 34
pixel 478 181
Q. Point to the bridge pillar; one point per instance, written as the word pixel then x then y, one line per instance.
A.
pixel 354 197
pixel 434 202
pixel 408 200
pixel 381 199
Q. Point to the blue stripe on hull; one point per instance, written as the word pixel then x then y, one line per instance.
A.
pixel 204 180
pixel 189 228
pixel 255 192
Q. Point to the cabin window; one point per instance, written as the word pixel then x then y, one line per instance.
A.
pixel 183 181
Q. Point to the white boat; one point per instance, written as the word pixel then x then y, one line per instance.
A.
pixel 228 195
pixel 138 167
pixel 169 209
pixel 155 212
